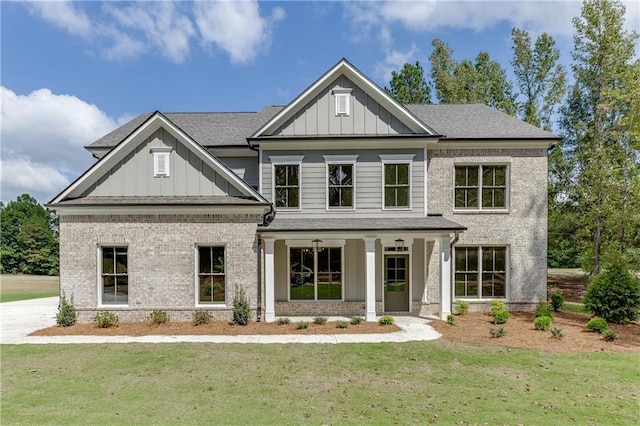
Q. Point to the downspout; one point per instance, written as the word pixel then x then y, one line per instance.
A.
pixel 456 237
pixel 259 296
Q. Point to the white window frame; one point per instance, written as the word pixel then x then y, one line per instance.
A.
pixel 397 159
pixel 286 160
pixel 342 102
pixel 480 209
pixel 161 154
pixel 99 249
pixel 347 160
pixel 480 247
pixel 308 244
pixel 196 256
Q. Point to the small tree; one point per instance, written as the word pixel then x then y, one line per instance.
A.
pixel 241 307
pixel 614 294
pixel 67 314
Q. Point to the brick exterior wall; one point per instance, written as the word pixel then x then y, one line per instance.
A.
pixel 161 260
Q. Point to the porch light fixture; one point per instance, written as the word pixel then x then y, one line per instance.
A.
pixel 315 244
pixel 399 244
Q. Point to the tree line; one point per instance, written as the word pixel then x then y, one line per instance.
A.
pixel 594 171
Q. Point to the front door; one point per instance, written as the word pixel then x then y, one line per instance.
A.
pixel 396 283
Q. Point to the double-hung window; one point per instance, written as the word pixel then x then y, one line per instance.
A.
pixel 481 272
pixel 211 275
pixel 341 181
pixel 315 275
pixel 397 181
pixel 481 187
pixel 287 181
pixel 114 276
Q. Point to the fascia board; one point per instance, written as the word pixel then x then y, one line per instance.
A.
pixel 157 209
pixel 494 143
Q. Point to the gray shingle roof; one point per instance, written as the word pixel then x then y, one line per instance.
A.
pixel 476 121
pixel 429 223
pixel 159 200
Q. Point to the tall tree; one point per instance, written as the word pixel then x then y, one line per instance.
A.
pixel 598 123
pixel 480 81
pixel 409 86
pixel 539 75
pixel 28 238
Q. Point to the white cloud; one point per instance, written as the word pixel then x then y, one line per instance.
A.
pixel 42 135
pixel 236 27
pixel 394 60
pixel 123 30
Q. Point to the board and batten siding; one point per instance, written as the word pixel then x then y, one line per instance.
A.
pixel 189 175
pixel 366 116
pixel 368 184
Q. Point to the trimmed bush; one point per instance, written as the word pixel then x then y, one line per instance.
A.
pixel 610 336
pixel 542 323
pixel 319 320
pixel 301 325
pixel 614 294
pixel 284 321
pixel 385 320
pixel 67 314
pixel 200 317
pixel 158 317
pixel 356 320
pixel 497 332
pixel 557 300
pixel 241 307
pixel 597 324
pixel 462 307
pixel 342 324
pixel 106 319
pixel 544 309
pixel 500 316
pixel 451 320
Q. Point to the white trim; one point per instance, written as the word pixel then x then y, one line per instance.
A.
pixel 269 280
pixel 397 159
pixel 212 305
pixel 370 279
pixel 293 160
pixel 388 242
pixel 347 160
pixel 340 159
pixel 426 182
pixel 447 264
pixel 99 248
pixel 507 285
pixel 307 244
pixel 480 209
pixel 157 209
pixel 286 159
pixel 339 95
pixel 260 170
pixel 161 163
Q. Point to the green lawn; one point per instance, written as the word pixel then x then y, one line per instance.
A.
pixel 23 287
pixel 315 384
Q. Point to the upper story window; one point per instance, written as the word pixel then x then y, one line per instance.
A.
pixel 341 181
pixel 161 162
pixel 287 182
pixel 481 187
pixel 397 180
pixel 343 101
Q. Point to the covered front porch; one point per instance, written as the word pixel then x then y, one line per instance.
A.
pixel 357 267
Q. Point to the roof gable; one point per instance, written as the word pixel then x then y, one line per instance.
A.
pixel 126 150
pixel 342 76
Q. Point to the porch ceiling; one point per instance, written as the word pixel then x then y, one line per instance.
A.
pixel 429 223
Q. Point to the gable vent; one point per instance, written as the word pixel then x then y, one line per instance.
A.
pixel 343 101
pixel 161 163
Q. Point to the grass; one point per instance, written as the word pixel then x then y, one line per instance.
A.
pixel 316 384
pixel 325 291
pixel 24 287
pixel 574 307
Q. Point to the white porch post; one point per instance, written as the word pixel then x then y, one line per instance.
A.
pixel 445 278
pixel 370 294
pixel 269 282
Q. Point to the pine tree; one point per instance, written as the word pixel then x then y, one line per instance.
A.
pixel 409 86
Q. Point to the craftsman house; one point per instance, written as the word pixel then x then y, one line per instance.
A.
pixel 342 202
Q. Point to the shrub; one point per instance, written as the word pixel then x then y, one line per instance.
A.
pixel 319 320
pixel 105 319
pixel 241 308
pixel 497 332
pixel 462 307
pixel 557 300
pixel 451 320
pixel 557 333
pixel 200 317
pixel 614 294
pixel 385 320
pixel 496 305
pixel 284 321
pixel 542 323
pixel 610 336
pixel 500 316
pixel 342 324
pixel 544 309
pixel 301 325
pixel 356 320
pixel 597 324
pixel 67 314
pixel 158 317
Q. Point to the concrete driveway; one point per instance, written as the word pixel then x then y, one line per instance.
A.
pixel 21 318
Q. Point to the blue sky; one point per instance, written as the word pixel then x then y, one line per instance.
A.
pixel 71 72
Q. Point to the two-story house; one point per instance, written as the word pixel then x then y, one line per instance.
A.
pixel 343 202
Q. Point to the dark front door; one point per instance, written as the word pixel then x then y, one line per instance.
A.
pixel 396 283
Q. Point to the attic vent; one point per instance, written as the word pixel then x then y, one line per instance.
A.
pixel 343 101
pixel 161 162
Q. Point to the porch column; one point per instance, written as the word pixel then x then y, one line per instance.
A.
pixel 370 294
pixel 445 278
pixel 269 282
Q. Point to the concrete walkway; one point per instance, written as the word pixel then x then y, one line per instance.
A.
pixel 18 319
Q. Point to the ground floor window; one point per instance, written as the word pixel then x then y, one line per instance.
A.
pixel 115 276
pixel 481 272
pixel 211 275
pixel 315 275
